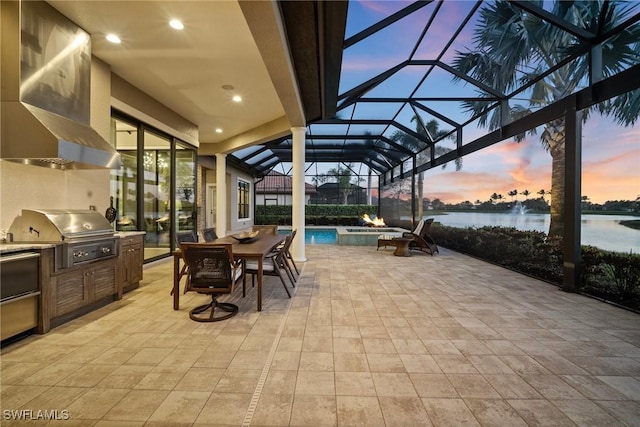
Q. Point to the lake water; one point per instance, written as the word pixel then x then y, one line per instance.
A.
pixel 602 231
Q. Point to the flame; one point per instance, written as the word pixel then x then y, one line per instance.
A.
pixel 376 222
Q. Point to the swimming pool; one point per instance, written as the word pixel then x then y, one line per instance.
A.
pixel 349 236
pixel 317 236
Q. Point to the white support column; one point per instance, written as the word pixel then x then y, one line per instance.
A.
pixel 221 194
pixel 298 187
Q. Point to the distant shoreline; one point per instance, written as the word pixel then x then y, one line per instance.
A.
pixel 631 223
pixel 428 212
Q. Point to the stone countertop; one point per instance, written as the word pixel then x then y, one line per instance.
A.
pixel 125 234
pixel 7 248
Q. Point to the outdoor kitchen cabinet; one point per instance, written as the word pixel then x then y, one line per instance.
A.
pixel 130 263
pixel 76 290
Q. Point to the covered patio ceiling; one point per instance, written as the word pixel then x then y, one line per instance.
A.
pixel 381 81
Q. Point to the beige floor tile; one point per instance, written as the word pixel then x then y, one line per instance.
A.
pixel 180 407
pixel 125 376
pixel 350 362
pixel 393 384
pixel 290 344
pixel 248 359
pixel 422 363
pixel 315 383
pixel 309 410
pixel 348 345
pixel 354 384
pixel 17 372
pixel 628 386
pixel 341 331
pixel 494 412
pixel 49 375
pixel 385 363
pixel 316 361
pixel 286 360
pixel 449 412
pixel 137 405
pixel 87 376
pixel 273 410
pixel 317 343
pixel 512 387
pixel 626 411
pixel 161 378
pixel 280 382
pixel 54 398
pixel 115 356
pixel 472 386
pixel 224 409
pixel 200 379
pixel 454 364
pixel 409 346
pixel 585 412
pixel 489 364
pixel 149 356
pixel 433 385
pixel 440 347
pixel 540 413
pixel 359 411
pixel 379 346
pixel 238 381
pixel 552 387
pixel 593 387
pixel 214 359
pixel 95 403
pixel 404 411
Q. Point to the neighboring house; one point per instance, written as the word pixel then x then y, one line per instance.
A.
pixel 275 189
pixel 330 193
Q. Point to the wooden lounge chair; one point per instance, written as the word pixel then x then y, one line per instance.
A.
pixel 422 241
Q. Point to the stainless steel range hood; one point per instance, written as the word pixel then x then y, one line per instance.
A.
pixel 45 91
pixel 35 136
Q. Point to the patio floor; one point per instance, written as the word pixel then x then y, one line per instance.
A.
pixel 367 339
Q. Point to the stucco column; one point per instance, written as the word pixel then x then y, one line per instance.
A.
pixel 298 187
pixel 221 194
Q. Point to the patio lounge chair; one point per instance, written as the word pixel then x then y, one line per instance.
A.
pixel 422 241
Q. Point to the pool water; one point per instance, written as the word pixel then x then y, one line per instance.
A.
pixel 317 236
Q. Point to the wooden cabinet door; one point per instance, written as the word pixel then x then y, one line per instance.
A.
pixel 103 277
pixel 70 291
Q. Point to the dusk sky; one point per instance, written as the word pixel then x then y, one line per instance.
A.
pixel 611 153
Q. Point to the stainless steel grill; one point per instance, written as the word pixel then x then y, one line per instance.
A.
pixel 81 236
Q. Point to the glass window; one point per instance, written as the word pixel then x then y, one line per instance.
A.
pixel 124 137
pixel 243 199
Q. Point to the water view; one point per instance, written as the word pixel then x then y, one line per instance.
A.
pixel 602 231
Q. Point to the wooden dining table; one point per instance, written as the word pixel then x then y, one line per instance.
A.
pixel 255 249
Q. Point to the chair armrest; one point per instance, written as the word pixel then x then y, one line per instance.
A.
pixel 409 234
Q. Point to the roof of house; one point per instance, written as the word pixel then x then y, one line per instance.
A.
pixel 278 183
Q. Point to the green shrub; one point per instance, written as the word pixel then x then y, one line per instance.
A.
pixel 314 214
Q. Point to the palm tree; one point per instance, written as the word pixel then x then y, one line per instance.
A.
pixel 514 47
pixel 526 193
pixel 429 131
pixel 343 176
pixel 514 194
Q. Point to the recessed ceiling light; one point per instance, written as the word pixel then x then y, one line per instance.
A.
pixel 113 38
pixel 237 98
pixel 218 130
pixel 176 24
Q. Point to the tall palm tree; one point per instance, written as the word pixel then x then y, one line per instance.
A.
pixel 346 180
pixel 514 194
pixel 513 47
pixel 429 130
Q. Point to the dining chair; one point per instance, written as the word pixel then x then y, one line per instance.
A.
pixel 210 272
pixel 272 265
pixel 209 234
pixel 181 238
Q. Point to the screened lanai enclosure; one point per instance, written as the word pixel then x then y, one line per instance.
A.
pixel 422 85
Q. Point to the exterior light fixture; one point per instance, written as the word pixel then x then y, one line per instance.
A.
pixel 113 38
pixel 237 98
pixel 176 24
pixel 218 130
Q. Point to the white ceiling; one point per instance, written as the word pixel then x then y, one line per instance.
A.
pixel 185 70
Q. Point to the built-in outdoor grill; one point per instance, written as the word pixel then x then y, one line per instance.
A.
pixel 80 236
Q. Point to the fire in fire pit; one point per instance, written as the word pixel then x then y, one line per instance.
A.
pixel 375 222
